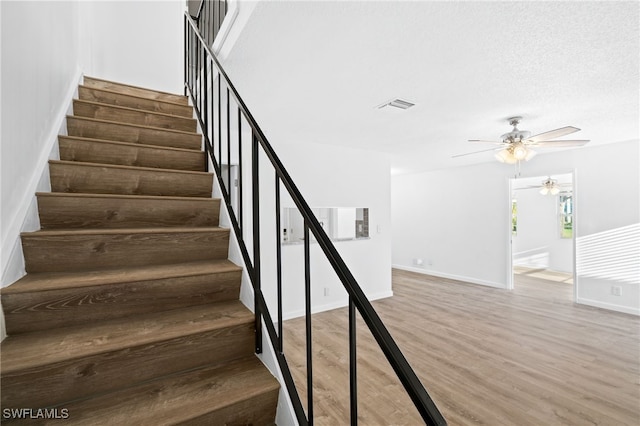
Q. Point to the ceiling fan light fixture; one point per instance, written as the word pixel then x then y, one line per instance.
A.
pixel 519 151
pixel 550 186
pixel 505 156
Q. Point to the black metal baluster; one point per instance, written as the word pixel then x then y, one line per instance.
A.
pixel 186 50
pixel 206 111
pixel 201 60
pixel 279 264
pixel 307 292
pixel 219 126
pixel 353 377
pixel 198 78
pixel 228 146
pixel 240 171
pixel 256 240
pixel 190 61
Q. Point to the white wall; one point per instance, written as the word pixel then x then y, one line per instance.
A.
pixel 135 42
pixel 458 220
pixel 40 68
pixel 46 46
pixel 329 176
pixel 537 243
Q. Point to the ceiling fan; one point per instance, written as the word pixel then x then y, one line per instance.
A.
pixel 515 146
pixel 550 187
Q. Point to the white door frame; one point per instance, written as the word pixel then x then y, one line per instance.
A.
pixel 574 184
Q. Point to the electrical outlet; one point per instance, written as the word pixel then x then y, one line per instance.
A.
pixel 418 262
pixel 616 290
pixel 326 291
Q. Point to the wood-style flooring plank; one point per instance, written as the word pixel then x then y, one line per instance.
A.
pixel 135 90
pixel 76 362
pixel 83 250
pixel 62 299
pixel 487 357
pixel 129 154
pixel 95 94
pixel 238 393
pixel 62 210
pixel 132 133
pixel 74 176
pixel 132 115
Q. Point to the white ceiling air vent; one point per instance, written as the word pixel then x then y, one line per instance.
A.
pixel 397 103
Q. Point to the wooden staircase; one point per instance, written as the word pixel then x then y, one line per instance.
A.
pixel 129 312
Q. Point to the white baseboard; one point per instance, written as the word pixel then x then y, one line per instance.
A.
pixel 25 215
pixel 450 276
pixel 609 306
pixel 333 305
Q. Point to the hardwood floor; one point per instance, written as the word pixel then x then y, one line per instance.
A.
pixel 487 357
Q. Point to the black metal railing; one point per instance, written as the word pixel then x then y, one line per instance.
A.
pixel 209 18
pixel 207 84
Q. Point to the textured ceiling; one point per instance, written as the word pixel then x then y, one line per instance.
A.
pixel 316 71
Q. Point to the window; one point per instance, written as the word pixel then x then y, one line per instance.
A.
pixel 566 215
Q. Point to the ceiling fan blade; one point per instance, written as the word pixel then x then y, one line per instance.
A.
pixel 552 144
pixel 527 187
pixel 557 133
pixel 493 142
pixel 475 152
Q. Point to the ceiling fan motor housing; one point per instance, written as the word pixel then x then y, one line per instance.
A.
pixel 515 136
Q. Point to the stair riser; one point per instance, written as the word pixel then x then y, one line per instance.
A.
pixel 72 252
pixel 89 151
pixel 108 213
pixel 259 410
pixel 108 97
pixel 65 381
pixel 134 91
pixel 42 310
pixel 105 180
pixel 113 113
pixel 132 133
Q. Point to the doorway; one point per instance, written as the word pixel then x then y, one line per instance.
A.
pixel 542 235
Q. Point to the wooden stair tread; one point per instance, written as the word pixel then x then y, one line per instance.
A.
pixel 181 397
pixel 44 281
pixel 116 98
pixel 39 348
pixel 125 196
pixel 124 231
pixel 164 114
pixel 118 166
pixel 134 133
pixel 168 149
pixel 98 178
pixel 109 112
pixel 142 91
pixel 160 129
pixel 71 210
pixel 102 151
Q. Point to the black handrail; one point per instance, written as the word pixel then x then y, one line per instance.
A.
pixel 197 74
